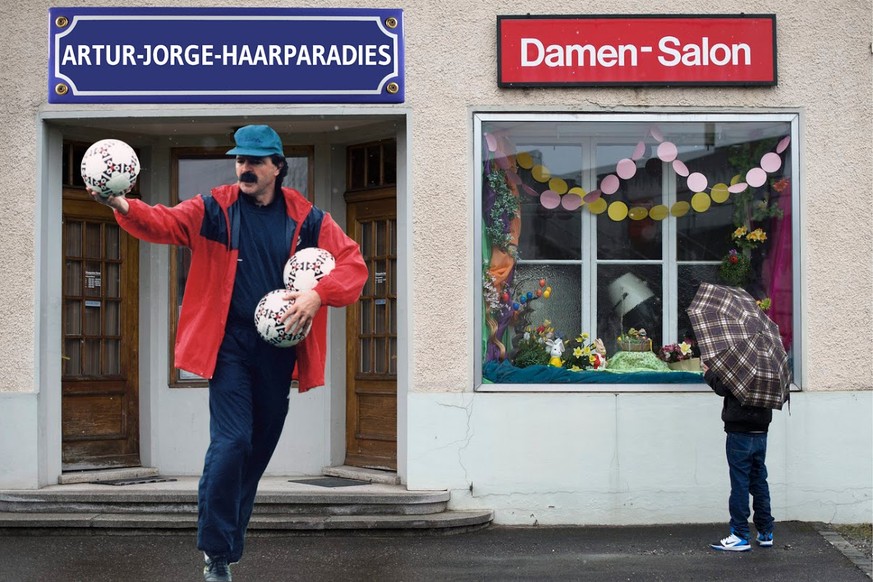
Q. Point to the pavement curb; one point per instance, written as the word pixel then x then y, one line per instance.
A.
pixel 864 563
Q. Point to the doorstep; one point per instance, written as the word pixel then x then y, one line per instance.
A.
pixel 100 475
pixel 362 474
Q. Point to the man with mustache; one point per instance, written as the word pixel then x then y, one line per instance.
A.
pixel 240 236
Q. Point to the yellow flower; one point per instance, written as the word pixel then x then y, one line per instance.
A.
pixel 586 350
pixel 577 351
pixel 685 348
pixel 757 235
pixel 584 336
pixel 739 233
pixel 575 368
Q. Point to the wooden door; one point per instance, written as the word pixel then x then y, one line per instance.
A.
pixel 99 387
pixel 371 332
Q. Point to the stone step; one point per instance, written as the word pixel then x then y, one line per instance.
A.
pixel 283 504
pixel 454 521
pixel 121 501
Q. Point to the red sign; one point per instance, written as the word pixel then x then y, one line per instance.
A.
pixel 544 51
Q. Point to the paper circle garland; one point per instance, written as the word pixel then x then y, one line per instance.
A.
pixel 617 211
pixel 637 213
pixel 697 182
pixel 659 212
pixel 571 201
pixel 701 202
pixel 559 193
pixel 756 177
pixel 558 185
pixel 626 169
pixel 680 209
pixel 550 199
pixel 719 193
pixel 609 185
pixel 524 160
pixel 597 207
pixel 667 151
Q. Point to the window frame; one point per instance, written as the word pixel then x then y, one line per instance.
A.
pixel 668 258
pixel 175 375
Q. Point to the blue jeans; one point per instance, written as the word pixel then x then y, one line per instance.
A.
pixel 248 403
pixel 746 453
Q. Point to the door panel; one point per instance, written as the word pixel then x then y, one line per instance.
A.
pixel 371 331
pixel 99 388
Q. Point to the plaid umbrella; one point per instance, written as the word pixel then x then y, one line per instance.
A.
pixel 741 345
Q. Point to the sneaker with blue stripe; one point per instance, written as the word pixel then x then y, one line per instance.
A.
pixel 732 543
pixel 765 540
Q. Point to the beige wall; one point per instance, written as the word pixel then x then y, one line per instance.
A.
pixel 824 65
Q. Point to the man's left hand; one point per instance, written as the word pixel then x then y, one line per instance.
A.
pixel 302 311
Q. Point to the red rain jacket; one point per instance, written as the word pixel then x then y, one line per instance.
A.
pixel 208 226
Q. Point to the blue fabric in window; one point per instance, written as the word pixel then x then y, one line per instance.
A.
pixel 505 373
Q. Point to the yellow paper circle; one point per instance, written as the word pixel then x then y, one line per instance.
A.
pixel 541 173
pixel 558 185
pixel 580 192
pixel 617 211
pixel 736 179
pixel 680 209
pixel 658 212
pixel 701 202
pixel 524 160
pixel 637 213
pixel 596 207
pixel 720 193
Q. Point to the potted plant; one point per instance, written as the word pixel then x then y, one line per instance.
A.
pixel 679 356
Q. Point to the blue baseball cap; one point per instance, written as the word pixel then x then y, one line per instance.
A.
pixel 256 141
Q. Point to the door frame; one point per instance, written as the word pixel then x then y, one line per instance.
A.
pixel 92 122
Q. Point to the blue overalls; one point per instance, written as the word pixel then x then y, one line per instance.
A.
pixel 248 393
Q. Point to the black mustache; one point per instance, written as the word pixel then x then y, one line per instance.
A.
pixel 248 177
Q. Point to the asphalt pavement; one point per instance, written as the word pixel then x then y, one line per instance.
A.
pixel 672 553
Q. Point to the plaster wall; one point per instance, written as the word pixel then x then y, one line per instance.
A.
pixel 620 459
pixel 826 76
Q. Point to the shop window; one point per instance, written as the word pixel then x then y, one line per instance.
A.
pixel 593 227
pixel 196 171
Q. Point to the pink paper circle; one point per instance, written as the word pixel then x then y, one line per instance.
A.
pixel 737 188
pixel 639 151
pixel 609 185
pixel 626 168
pixel 771 162
pixel 592 196
pixel 491 141
pixel 783 144
pixel 667 151
pixel 680 168
pixel 550 199
pixel 656 133
pixel 697 182
pixel 756 177
pixel 528 190
pixel 571 201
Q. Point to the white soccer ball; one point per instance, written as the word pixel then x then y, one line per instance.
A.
pixel 110 167
pixel 306 267
pixel 270 308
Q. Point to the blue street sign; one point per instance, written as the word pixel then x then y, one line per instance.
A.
pixel 225 55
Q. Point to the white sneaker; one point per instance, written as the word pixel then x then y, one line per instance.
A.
pixel 732 543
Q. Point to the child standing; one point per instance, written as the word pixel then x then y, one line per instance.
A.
pixel 746 448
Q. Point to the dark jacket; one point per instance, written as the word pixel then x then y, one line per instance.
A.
pixel 736 417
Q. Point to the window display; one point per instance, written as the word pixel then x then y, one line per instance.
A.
pixel 597 230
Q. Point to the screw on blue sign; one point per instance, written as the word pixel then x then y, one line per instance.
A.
pixel 231 55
